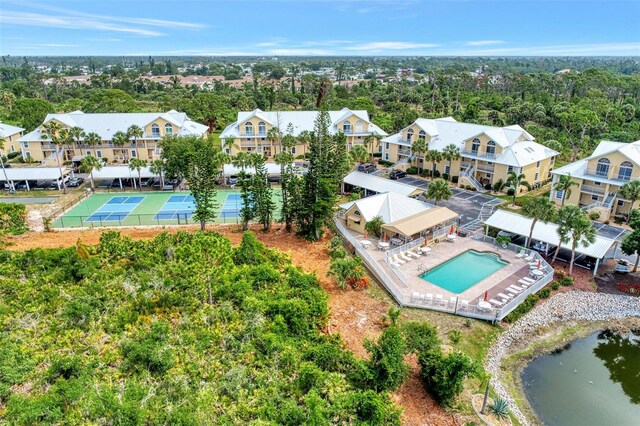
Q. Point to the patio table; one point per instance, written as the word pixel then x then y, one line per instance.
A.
pixel 537 273
pixel 396 241
pixel 484 305
pixel 365 243
pixel 425 249
pixel 383 245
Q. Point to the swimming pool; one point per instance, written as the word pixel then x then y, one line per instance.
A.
pixel 464 271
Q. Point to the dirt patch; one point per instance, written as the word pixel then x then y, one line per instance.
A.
pixel 582 278
pixel 608 282
pixel 355 315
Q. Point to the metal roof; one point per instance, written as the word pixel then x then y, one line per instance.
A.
pixel 390 207
pixel 32 173
pixel 545 232
pixel 230 169
pixel 422 221
pixel 116 172
pixel 7 130
pixel 381 185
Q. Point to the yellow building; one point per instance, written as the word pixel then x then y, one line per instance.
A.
pixel 599 178
pixel 251 131
pixel 486 154
pixel 154 127
pixel 9 138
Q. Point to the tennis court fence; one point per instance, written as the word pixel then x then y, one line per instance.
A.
pixel 95 221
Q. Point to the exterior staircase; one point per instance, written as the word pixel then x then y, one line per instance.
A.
pixel 468 175
pixel 606 204
pixel 51 160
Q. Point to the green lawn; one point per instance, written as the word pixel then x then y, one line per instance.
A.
pixel 145 212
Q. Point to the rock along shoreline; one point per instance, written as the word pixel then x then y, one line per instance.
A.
pixel 574 305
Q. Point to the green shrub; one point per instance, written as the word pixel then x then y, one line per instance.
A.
pixel 436 173
pixel 454 179
pixel 150 350
pixel 594 215
pixel 385 163
pixel 443 375
pixel 522 309
pixel 377 155
pixel 455 336
pixel 412 170
pixel 544 293
pixel 445 176
pixel 566 281
pixel 386 368
pixel 499 408
pixel 510 192
pixel 13 155
pixel 555 285
pixel 420 337
pixel 13 219
pixel 488 187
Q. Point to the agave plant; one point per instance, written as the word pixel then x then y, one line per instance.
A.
pixel 455 336
pixel 499 408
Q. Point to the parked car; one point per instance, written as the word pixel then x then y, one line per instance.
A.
pixel 232 180
pixel 23 185
pixel 367 168
pixel 397 174
pixel 76 181
pixel 274 179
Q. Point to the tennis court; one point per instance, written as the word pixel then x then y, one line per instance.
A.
pixel 150 208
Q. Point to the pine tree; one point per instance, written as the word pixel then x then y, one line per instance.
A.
pixel 263 204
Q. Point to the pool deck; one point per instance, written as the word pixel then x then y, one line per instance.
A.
pixel 444 251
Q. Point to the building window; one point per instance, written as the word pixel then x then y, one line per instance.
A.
pixel 168 129
pixel 88 152
pixel 25 144
pixel 602 169
pixel 359 126
pixel 99 154
pixel 262 128
pixel 596 183
pixel 594 198
pixel 538 164
pixel 626 168
pixel 422 135
pixel 293 149
pixel 475 144
pixel 27 154
pixel 620 203
pixel 386 156
pixel 155 131
pixel 248 129
pixel 346 127
pixel 535 178
pixel 491 148
pixel 409 135
pixel 446 169
pixel 559 194
pixel 134 154
pixel 509 169
pixel 387 145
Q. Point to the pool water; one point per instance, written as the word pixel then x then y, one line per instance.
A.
pixel 464 271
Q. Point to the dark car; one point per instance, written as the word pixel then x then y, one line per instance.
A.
pixel 397 174
pixel 367 168
pixel 76 181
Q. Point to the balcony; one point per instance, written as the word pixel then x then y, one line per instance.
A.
pixel 485 168
pixel 479 154
pixel 590 189
pixel 247 144
pixel 608 174
pixel 404 151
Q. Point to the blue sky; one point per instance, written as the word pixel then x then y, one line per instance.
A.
pixel 320 27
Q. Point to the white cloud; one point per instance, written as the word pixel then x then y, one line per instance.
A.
pixel 390 45
pixel 596 49
pixel 484 42
pixel 301 52
pixel 56 45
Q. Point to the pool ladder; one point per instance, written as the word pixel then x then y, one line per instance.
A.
pixel 422 268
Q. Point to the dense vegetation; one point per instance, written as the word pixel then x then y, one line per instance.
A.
pixel 570 112
pixel 13 219
pixel 183 329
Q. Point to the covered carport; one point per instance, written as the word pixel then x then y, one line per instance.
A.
pixel 546 233
pixel 17 175
pixel 122 172
pixel 230 170
pixel 422 224
pixel 372 185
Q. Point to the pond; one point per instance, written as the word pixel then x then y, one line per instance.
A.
pixel 591 381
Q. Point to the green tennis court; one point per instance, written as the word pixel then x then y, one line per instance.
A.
pixel 150 208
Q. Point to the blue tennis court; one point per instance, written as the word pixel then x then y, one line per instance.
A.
pixel 116 209
pixel 232 205
pixel 176 207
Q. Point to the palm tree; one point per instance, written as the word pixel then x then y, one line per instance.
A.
pixel 119 139
pixel 630 191
pixel 92 139
pixel 137 164
pixel 88 165
pixel 229 143
pixel 539 209
pixel 438 190
pixel 275 136
pixel 566 216
pixel 581 232
pixel 304 138
pixel 419 147
pixel 515 182
pixel 158 167
pixel 76 133
pixel 451 153
pixel 368 142
pixel 4 171
pixel 564 184
pixel 134 131
pixel 359 154
pixel 52 131
pixel 435 157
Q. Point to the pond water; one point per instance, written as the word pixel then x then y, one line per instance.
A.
pixel 591 381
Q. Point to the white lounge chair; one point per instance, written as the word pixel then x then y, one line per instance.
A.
pixel 524 283
pixel 464 304
pixel 504 297
pixel 521 254
pixel 530 257
pixel 417 251
pixel 496 303
pixel 404 257
pixel 417 297
pixel 439 299
pixel 428 298
pixel 516 287
pixel 397 260
pixel 452 301
pixel 411 254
